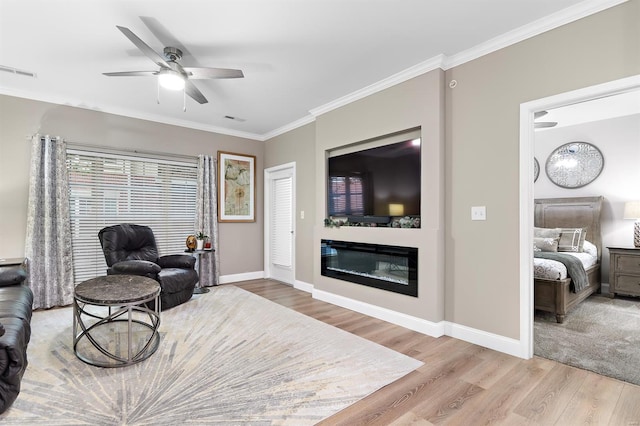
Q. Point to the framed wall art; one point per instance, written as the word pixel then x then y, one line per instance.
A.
pixel 574 164
pixel 236 187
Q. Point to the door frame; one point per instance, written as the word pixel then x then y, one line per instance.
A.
pixel 527 193
pixel 267 217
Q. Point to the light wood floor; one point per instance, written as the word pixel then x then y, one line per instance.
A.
pixel 465 384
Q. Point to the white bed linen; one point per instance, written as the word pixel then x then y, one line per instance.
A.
pixel 554 270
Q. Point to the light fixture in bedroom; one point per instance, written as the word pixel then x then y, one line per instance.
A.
pixel 632 211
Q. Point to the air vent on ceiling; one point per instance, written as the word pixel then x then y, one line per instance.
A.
pixel 17 71
pixel 229 117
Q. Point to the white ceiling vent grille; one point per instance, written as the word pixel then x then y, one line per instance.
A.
pixel 16 71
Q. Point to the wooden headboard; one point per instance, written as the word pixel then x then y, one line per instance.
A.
pixel 576 212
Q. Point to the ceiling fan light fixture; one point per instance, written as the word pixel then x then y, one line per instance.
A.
pixel 171 80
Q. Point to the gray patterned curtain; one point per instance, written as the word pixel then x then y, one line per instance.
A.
pixel 207 219
pixel 48 239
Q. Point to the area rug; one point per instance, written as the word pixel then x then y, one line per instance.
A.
pixel 225 357
pixel 601 335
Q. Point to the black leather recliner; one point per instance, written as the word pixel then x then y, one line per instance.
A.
pixel 16 300
pixel 131 250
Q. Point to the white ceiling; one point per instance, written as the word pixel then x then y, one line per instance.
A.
pixel 298 56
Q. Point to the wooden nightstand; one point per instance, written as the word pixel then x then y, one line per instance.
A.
pixel 624 271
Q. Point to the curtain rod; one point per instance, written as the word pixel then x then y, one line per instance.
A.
pixel 110 149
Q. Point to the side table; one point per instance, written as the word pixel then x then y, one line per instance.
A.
pixel 198 255
pixel 624 271
pixel 112 327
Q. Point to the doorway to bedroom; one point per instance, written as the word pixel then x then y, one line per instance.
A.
pixel 607 118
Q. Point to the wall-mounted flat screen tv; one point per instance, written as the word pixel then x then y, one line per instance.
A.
pixel 378 182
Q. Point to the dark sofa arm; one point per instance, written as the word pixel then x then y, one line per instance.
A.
pixel 12 275
pixel 134 267
pixel 183 261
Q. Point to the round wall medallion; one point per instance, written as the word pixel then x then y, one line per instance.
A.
pixel 536 169
pixel 574 164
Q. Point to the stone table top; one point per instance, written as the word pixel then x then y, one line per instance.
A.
pixel 116 289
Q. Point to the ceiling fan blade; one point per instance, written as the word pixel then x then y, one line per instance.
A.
pixel 161 33
pixel 131 74
pixel 196 73
pixel 544 124
pixel 191 90
pixel 149 52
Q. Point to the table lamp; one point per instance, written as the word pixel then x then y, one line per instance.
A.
pixel 632 211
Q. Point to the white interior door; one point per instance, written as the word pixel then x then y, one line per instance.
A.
pixel 280 223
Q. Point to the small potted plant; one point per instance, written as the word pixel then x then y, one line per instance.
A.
pixel 200 237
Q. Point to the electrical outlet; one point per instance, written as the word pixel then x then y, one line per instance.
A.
pixel 479 213
pixel 301 214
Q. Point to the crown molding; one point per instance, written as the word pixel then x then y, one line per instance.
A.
pixel 558 19
pixel 402 76
pixel 288 127
pixel 109 109
pixel 563 17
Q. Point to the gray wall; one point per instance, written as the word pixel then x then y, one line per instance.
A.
pixel 480 163
pixel 482 288
pixel 472 137
pixel 20 118
pixel 298 146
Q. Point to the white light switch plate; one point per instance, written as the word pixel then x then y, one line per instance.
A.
pixel 479 213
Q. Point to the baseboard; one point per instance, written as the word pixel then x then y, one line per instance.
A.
pixel 482 338
pixel 435 329
pixel 416 324
pixel 443 328
pixel 301 285
pixel 245 276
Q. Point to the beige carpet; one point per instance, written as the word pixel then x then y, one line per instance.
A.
pixel 226 357
pixel 600 335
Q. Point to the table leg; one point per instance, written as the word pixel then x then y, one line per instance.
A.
pixel 199 289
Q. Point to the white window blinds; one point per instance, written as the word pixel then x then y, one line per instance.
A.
pixel 107 189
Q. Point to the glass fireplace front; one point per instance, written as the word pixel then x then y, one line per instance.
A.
pixel 385 267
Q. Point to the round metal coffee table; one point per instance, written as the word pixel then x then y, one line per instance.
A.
pixel 112 326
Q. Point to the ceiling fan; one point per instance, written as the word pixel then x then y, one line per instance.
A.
pixel 171 74
pixel 542 124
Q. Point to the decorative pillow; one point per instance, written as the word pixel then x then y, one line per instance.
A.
pixel 590 248
pixel 545 244
pixel 546 232
pixel 572 239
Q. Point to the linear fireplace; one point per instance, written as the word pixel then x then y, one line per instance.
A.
pixel 389 268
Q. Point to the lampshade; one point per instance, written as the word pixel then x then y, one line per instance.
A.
pixel 396 209
pixel 170 79
pixel 632 210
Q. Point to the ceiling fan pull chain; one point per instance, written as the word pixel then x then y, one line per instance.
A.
pixel 158 94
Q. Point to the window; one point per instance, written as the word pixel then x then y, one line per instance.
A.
pixel 106 189
pixel 346 196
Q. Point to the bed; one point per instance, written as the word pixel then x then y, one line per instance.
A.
pixel 558 295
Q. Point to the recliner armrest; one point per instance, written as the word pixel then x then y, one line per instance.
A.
pixel 135 267
pixel 183 261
